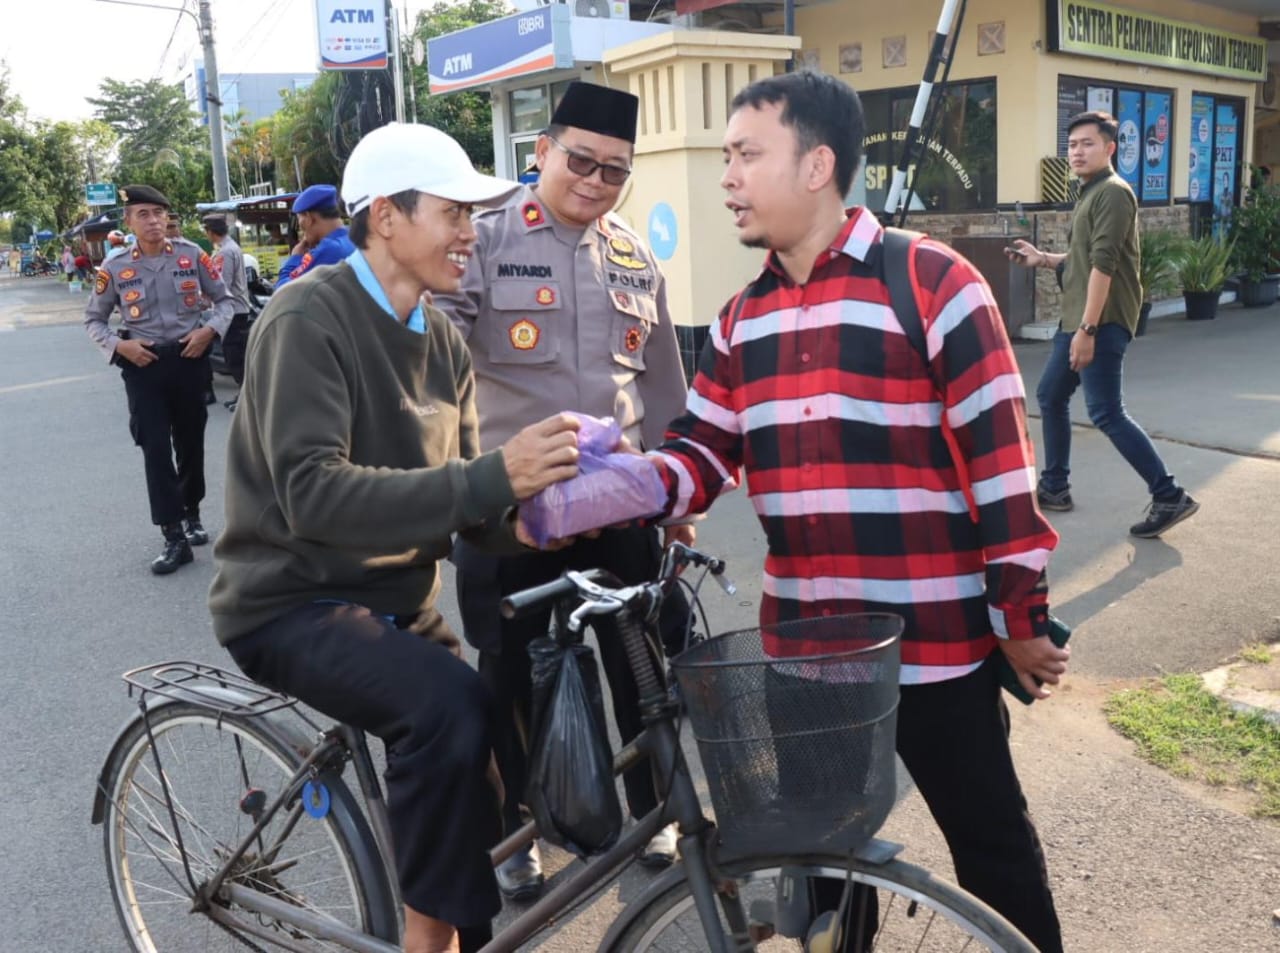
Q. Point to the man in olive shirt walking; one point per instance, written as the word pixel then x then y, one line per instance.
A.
pixel 1100 303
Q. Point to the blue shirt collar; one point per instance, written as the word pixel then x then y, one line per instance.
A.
pixel 369 282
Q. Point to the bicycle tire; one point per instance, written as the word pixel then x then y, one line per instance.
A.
pixel 937 916
pixel 330 863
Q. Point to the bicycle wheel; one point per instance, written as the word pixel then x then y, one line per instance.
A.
pixel 917 911
pixel 328 865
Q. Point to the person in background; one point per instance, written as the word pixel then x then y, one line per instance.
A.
pixel 230 261
pixel 163 355
pixel 352 458
pixel 117 245
pixel 1101 298
pixel 809 392
pixel 68 262
pixel 324 238
pixel 564 308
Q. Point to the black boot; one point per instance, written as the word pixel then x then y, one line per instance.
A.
pixel 192 529
pixel 177 551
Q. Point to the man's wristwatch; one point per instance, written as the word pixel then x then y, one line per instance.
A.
pixel 1089 329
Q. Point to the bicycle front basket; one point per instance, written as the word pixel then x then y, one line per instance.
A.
pixel 795 724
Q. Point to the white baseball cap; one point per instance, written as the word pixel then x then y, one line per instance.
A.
pixel 402 156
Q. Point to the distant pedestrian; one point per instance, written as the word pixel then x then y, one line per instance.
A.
pixel 117 245
pixel 1100 303
pixel 163 355
pixel 15 261
pixel 68 262
pixel 324 238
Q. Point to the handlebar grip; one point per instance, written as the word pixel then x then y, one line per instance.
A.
pixel 519 603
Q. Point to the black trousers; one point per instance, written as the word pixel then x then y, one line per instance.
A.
pixel 233 346
pixel 633 556
pixel 435 717
pixel 167 417
pixel 953 737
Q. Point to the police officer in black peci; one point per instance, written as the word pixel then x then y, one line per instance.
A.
pixel 162 351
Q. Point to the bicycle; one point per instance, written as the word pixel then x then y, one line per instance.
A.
pixel 253 835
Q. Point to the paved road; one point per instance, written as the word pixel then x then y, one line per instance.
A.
pixel 1134 854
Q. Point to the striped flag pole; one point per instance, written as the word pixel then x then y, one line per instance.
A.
pixel 911 146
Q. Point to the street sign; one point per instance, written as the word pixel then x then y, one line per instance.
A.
pixel 100 193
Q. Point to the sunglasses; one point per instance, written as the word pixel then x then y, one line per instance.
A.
pixel 581 164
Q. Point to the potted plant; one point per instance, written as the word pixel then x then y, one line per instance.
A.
pixel 1203 266
pixel 1158 255
pixel 1255 231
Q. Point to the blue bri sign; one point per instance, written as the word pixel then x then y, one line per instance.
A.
pixel 517 45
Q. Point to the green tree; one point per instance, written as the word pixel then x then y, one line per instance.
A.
pixel 161 142
pixel 300 134
pixel 466 114
pixel 250 156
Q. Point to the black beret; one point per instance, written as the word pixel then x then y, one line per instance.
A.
pixel 215 223
pixel 142 195
pixel 609 112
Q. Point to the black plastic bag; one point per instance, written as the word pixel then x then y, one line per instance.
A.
pixel 571 789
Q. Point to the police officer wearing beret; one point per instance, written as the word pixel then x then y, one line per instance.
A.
pixel 229 259
pixel 162 351
pixel 324 238
pixel 564 308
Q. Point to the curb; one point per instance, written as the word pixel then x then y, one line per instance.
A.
pixel 1265 702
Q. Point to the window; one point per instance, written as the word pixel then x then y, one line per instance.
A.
pixel 531 111
pixel 1145 141
pixel 957 167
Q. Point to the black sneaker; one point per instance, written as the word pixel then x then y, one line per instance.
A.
pixel 1057 500
pixel 1160 516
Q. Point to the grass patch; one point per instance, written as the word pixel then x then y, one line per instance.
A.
pixel 1256 654
pixel 1186 730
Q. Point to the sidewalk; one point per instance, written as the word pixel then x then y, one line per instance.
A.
pixel 36 302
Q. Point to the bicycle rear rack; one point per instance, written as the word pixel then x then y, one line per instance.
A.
pixel 227 693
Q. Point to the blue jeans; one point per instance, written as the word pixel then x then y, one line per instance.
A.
pixel 1104 399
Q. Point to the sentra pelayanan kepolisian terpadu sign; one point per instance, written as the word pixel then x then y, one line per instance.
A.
pixel 1106 31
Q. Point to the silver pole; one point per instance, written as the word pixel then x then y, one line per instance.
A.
pixel 221 186
pixel 398 62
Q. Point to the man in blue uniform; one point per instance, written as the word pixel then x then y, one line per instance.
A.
pixel 324 238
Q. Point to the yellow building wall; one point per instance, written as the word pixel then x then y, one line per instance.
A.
pixel 1026 75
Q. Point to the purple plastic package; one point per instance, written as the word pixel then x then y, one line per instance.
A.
pixel 609 488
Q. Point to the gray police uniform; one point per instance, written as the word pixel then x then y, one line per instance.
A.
pixel 230 261
pixel 557 319
pixel 160 298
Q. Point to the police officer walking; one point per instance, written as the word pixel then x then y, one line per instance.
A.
pixel 324 238
pixel 564 308
pixel 229 260
pixel 162 352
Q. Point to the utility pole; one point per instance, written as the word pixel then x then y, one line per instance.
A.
pixel 397 63
pixel 221 187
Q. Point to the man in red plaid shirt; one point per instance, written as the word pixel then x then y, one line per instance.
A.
pixel 809 384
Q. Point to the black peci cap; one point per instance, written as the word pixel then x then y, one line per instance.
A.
pixel 609 112
pixel 142 195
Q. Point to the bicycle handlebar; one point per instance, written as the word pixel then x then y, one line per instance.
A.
pixel 519 603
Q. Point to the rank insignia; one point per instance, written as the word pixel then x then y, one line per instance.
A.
pixel 100 283
pixel 135 254
pixel 168 250
pixel 524 335
pixel 634 339
pixel 627 261
pixel 127 273
pixel 531 212
pixel 621 245
pixel 546 296
pixel 184 262
pixel 131 296
pixel 189 285
pixel 135 312
pixel 189 301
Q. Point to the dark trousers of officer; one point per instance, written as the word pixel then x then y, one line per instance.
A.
pixel 167 417
pixel 633 555
pixel 953 737
pixel 234 343
pixel 435 717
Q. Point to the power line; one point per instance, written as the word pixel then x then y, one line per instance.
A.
pixel 173 33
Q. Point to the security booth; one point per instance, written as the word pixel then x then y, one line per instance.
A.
pixel 267 229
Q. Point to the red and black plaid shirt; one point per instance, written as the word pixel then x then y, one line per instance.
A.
pixel 817 393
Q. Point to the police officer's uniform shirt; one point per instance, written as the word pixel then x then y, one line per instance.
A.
pixel 559 318
pixel 159 296
pixel 230 264
pixel 333 248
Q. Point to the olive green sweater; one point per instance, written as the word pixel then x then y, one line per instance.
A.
pixel 1104 235
pixel 353 456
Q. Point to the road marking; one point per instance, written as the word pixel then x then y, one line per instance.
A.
pixel 52 382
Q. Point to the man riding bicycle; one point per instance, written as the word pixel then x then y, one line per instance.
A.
pixel 353 457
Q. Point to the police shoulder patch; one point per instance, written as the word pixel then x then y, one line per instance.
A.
pixel 210 265
pixel 101 282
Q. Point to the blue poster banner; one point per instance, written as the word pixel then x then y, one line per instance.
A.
pixel 1129 143
pixel 1156 147
pixel 516 45
pixel 1225 142
pixel 1199 181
